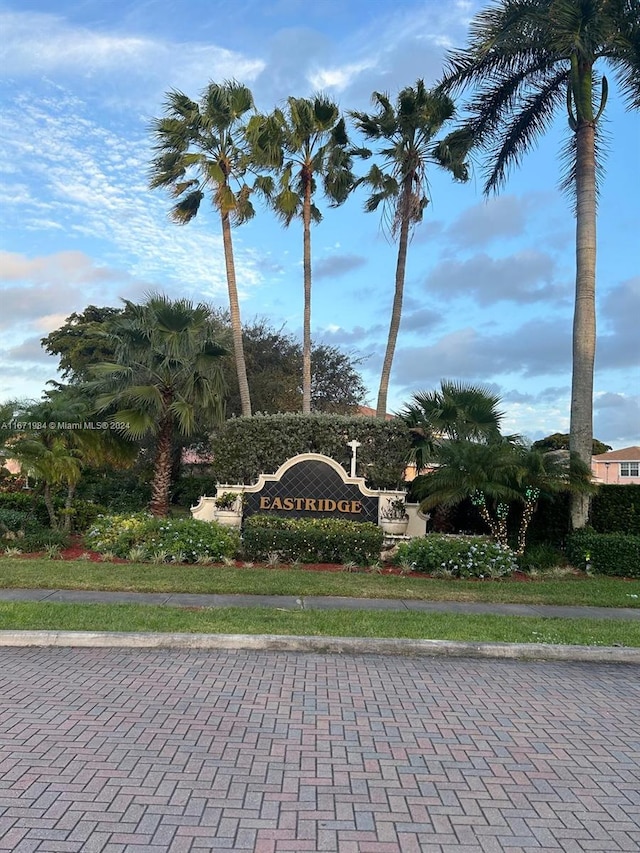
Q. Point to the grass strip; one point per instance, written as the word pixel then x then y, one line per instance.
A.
pixel 235 620
pixel 601 591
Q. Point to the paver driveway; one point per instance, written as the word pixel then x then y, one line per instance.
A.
pixel 112 750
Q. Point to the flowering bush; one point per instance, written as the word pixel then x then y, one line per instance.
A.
pixel 312 540
pixel 457 556
pixel 176 539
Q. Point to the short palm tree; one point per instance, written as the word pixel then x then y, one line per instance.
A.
pixel 486 473
pixel 454 412
pixel 404 133
pixel 62 444
pixel 166 378
pixel 497 474
pixel 305 144
pixel 201 148
pixel 527 59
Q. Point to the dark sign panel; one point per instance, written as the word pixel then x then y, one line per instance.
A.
pixel 312 488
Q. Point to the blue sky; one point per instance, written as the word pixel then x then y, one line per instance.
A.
pixel 489 289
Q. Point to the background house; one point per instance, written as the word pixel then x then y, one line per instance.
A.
pixel 617 467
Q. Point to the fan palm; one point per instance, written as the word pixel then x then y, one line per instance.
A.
pixel 405 136
pixel 201 148
pixel 454 412
pixel 527 59
pixel 166 378
pixel 304 144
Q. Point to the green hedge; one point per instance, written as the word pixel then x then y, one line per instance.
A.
pixel 127 490
pixel 247 447
pixel 616 509
pixel 311 540
pixel 605 553
pixel 456 556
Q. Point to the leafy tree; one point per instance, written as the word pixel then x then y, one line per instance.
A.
pixel 82 342
pixel 165 379
pixel 405 135
pixel 305 143
pixel 201 147
pixel 454 412
pixel 274 368
pixel 561 441
pixel 525 60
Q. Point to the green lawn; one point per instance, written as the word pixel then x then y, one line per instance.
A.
pixel 147 618
pixel 18 573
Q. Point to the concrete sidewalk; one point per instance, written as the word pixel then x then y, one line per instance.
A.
pixel 286 602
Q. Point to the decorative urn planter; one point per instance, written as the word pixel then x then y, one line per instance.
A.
pixel 394 518
pixel 228 509
pixel 395 528
pixel 228 517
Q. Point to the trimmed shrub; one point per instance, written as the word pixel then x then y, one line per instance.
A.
pixel 615 554
pixel 182 540
pixel 15 520
pixel 189 488
pixel 120 491
pixel 616 509
pixel 28 502
pixel 541 557
pixel 246 447
pixel 457 556
pixel 312 540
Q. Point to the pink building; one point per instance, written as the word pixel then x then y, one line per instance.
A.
pixel 617 467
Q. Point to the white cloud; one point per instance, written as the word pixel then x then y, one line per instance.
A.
pixel 93 182
pixel 339 77
pixel 36 42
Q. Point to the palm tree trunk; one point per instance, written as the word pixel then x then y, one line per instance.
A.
pixel 584 319
pixel 306 322
pixel 71 490
pixel 234 310
pixel 396 314
pixel 48 502
pixel 159 504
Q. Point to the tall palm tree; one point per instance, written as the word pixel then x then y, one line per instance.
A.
pixel 304 144
pixel 405 136
pixel 454 412
pixel 166 378
pixel 201 147
pixel 527 59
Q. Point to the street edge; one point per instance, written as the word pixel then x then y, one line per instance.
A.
pixel 339 645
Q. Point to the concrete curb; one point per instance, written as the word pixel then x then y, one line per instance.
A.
pixel 341 645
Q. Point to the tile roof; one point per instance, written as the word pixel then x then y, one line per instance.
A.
pixel 626 454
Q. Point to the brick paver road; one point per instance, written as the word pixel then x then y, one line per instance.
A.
pixel 112 750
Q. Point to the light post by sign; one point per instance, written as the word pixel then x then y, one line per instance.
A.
pixel 354 445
